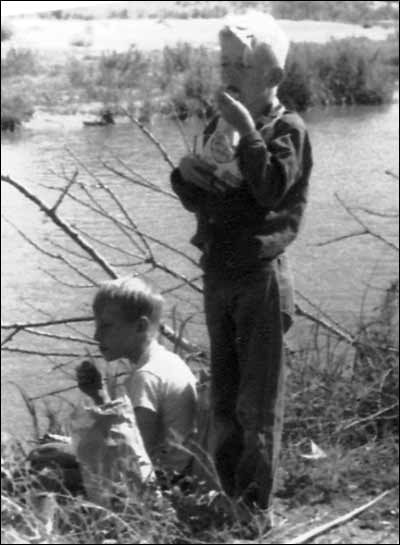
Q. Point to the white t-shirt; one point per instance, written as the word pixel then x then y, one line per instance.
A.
pixel 166 385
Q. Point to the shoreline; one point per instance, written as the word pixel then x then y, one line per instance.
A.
pixel 55 37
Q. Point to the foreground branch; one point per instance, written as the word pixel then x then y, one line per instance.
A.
pixel 68 229
pixel 319 530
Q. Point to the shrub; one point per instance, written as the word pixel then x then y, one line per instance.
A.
pixel 349 71
pixel 19 62
pixel 6 32
pixel 15 107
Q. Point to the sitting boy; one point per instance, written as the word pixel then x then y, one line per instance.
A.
pixel 246 223
pixel 161 387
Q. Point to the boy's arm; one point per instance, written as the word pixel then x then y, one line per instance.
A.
pixel 270 171
pixel 143 389
pixel 147 422
pixel 190 195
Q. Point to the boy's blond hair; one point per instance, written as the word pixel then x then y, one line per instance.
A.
pixel 258 31
pixel 135 296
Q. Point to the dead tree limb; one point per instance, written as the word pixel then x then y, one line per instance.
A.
pixel 323 528
pixel 68 229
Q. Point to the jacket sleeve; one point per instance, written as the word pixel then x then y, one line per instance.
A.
pixel 271 170
pixel 191 197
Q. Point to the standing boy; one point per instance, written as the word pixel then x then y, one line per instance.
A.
pixel 247 218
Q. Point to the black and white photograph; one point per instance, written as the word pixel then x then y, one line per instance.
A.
pixel 200 272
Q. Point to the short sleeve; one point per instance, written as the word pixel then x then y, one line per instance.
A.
pixel 144 390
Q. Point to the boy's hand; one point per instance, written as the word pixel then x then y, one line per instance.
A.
pixel 198 172
pixel 235 113
pixel 90 382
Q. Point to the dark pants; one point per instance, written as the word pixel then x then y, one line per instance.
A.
pixel 246 333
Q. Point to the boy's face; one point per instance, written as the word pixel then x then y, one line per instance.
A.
pixel 117 338
pixel 244 76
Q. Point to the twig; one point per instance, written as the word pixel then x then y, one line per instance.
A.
pixel 392 174
pixel 151 187
pixel 39 353
pixel 151 137
pixel 59 337
pixel 47 323
pixel 183 342
pixel 367 418
pixel 65 191
pixel 365 227
pixel 10 336
pixel 377 213
pixel 320 321
pixel 342 237
pixel 323 528
pixel 113 197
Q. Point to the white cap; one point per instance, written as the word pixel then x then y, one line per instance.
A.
pixel 255 29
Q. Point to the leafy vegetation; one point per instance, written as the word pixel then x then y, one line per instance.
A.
pixel 343 10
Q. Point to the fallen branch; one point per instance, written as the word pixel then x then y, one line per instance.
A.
pixel 323 528
pixel 367 418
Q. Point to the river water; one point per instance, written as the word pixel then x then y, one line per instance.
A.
pixel 352 149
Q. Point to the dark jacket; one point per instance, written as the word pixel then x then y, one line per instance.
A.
pixel 242 229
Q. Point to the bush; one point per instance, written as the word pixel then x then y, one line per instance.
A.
pixel 6 32
pixel 15 108
pixel 347 11
pixel 349 71
pixel 19 62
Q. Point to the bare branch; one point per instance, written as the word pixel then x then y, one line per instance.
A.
pixel 368 418
pixel 171 335
pixel 364 226
pixel 69 251
pixel 377 213
pixel 59 337
pixel 62 225
pixel 116 201
pixel 343 237
pixel 65 191
pixel 150 186
pixel 330 327
pixel 10 336
pixel 64 283
pixel 47 323
pixel 121 226
pixel 39 353
pixel 392 174
pixel 181 129
pixel 151 137
pixel 178 286
pixel 321 312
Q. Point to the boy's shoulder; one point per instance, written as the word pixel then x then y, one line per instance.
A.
pixel 292 119
pixel 167 365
